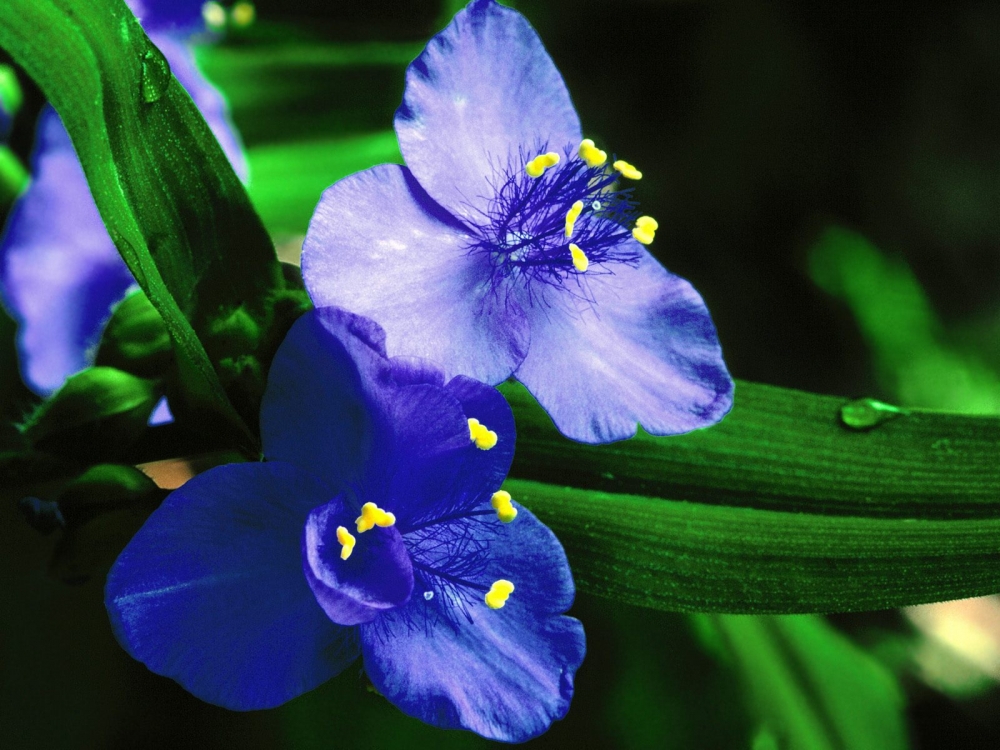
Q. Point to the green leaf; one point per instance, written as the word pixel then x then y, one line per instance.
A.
pixel 811 687
pixel 172 204
pixel 785 450
pixel 698 557
pixel 135 339
pixel 98 412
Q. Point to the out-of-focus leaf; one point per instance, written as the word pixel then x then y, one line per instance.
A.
pixel 785 450
pixel 170 199
pixel 288 178
pixel 98 412
pixel 135 339
pixel 698 557
pixel 102 488
pixel 811 687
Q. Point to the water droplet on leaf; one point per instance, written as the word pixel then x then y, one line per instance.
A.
pixel 866 413
pixel 155 75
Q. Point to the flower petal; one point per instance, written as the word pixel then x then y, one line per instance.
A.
pixel 60 272
pixel 379 246
pixel 509 672
pixel 210 592
pixel 317 411
pixel 483 89
pixel 644 352
pixel 376 576
pixel 179 17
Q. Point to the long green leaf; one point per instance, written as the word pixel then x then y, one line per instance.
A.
pixel 698 557
pixel 172 204
pixel 812 688
pixel 786 450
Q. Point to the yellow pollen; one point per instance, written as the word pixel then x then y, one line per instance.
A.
pixel 243 14
pixel 642 235
pixel 347 540
pixel 580 260
pixel 645 229
pixel 537 166
pixel 479 434
pixel 591 154
pixel 627 170
pixel 372 516
pixel 496 597
pixel 500 501
pixel 571 216
pixel 213 14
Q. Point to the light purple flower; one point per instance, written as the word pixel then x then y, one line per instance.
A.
pixel 468 260
pixel 60 273
pixel 254 583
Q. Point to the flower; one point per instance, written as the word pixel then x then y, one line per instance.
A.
pixel 376 526
pixel 508 246
pixel 60 273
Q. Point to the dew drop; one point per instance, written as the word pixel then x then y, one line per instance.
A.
pixel 866 413
pixel 596 205
pixel 155 75
pixel 428 595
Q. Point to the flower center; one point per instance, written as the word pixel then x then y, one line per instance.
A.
pixel 555 217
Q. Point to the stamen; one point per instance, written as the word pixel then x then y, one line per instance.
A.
pixel 591 154
pixel 645 229
pixel 500 501
pixel 627 170
pixel 580 260
pixel 372 516
pixel 537 166
pixel 571 216
pixel 479 434
pixel 243 14
pixel 347 541
pixel 213 14
pixel 496 597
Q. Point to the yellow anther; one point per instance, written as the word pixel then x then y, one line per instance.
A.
pixel 347 541
pixel 580 260
pixel 571 216
pixel 537 166
pixel 243 14
pixel 496 597
pixel 591 154
pixel 645 229
pixel 500 501
pixel 479 434
pixel 627 170
pixel 372 516
pixel 213 14
pixel 642 235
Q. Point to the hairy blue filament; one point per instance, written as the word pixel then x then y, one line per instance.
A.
pixel 522 232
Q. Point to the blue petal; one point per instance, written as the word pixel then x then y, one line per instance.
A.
pixel 508 673
pixel 376 576
pixel 379 246
pixel 210 592
pixel 644 351
pixel 450 475
pixel 483 89
pixel 179 17
pixel 60 272
pixel 316 412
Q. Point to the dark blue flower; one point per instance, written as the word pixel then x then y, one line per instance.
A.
pixel 508 246
pixel 60 273
pixel 373 528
